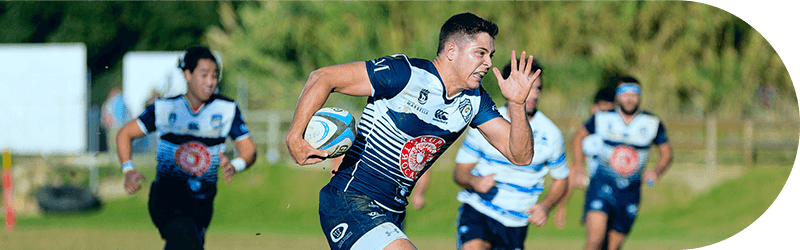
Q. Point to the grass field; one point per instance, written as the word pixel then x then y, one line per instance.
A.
pixel 275 207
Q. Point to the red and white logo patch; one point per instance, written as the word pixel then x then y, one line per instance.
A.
pixel 417 152
pixel 624 160
pixel 193 157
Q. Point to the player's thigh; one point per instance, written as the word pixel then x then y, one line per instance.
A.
pixel 476 244
pixel 352 221
pixel 596 222
pixel 615 239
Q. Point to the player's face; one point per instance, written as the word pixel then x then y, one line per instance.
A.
pixel 533 97
pixel 628 102
pixel 474 59
pixel 203 80
pixel 601 106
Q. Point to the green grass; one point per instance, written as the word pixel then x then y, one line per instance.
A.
pixel 280 201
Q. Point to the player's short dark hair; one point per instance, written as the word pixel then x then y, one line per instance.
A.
pixel 534 66
pixel 464 24
pixel 628 79
pixel 605 94
pixel 190 57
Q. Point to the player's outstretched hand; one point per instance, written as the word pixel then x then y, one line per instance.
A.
pixel 227 168
pixel 518 84
pixel 303 153
pixel 482 184
pixel 132 179
pixel 538 215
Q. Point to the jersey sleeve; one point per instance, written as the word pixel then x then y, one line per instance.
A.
pixel 470 151
pixel 661 135
pixel 239 129
pixel 487 110
pixel 557 162
pixel 147 120
pixel 590 125
pixel 388 75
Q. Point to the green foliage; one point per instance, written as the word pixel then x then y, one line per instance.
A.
pixel 691 57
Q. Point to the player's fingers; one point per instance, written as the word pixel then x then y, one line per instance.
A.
pixel 514 61
pixel 498 75
pixel 491 175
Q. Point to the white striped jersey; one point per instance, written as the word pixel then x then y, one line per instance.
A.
pixel 407 124
pixel 189 142
pixel 517 188
pixel 625 147
pixel 591 150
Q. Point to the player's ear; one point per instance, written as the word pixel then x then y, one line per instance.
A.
pixel 187 74
pixel 450 50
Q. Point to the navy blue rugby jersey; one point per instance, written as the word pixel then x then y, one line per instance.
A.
pixel 623 154
pixel 407 124
pixel 189 143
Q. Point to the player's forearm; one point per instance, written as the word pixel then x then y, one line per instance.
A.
pixel 578 157
pixel 665 158
pixel 123 147
pixel 314 95
pixel 520 141
pixel 462 175
pixel 557 190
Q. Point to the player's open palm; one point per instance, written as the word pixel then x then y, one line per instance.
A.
pixel 482 184
pixel 132 179
pixel 518 84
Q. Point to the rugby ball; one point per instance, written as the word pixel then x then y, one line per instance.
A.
pixel 332 130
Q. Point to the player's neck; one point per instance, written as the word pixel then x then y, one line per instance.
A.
pixel 627 118
pixel 448 78
pixel 194 103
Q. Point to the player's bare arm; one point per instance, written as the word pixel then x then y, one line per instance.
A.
pixel 538 213
pixel 124 138
pixel 247 152
pixel 349 79
pixel 418 196
pixel 514 140
pixel 664 160
pixel 462 175
pixel 576 172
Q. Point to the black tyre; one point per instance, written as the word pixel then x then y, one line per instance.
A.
pixel 66 199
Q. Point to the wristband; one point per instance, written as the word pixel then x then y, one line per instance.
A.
pixel 127 167
pixel 238 164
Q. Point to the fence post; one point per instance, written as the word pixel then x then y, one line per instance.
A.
pixel 748 142
pixel 241 93
pixel 273 136
pixel 711 142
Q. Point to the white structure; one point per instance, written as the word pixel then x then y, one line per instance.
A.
pixel 146 72
pixel 43 98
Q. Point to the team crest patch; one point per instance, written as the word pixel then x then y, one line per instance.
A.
pixel 417 152
pixel 423 96
pixel 624 160
pixel 193 157
pixel 465 108
pixel 216 121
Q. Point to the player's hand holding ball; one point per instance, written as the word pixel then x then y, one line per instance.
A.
pixel 331 130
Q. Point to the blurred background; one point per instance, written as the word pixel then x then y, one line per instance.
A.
pixel 74 72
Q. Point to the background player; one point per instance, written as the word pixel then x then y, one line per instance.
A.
pixel 500 198
pixel 416 110
pixel 612 198
pixel 192 130
pixel 603 101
